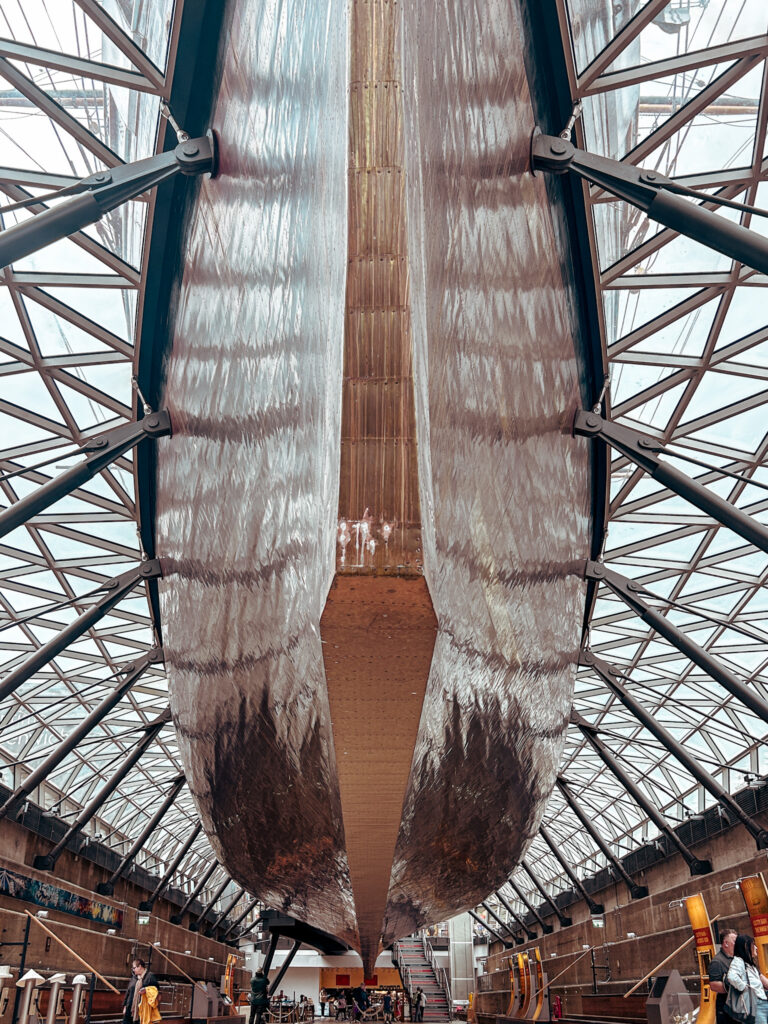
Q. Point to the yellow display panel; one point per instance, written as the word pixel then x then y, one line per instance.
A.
pixel 536 954
pixel 514 989
pixel 755 896
pixel 229 976
pixel 525 985
pixel 705 950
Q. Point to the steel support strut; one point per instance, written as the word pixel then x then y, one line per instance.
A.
pixel 611 677
pixel 107 888
pixel 285 965
pixel 629 591
pixel 114 591
pixel 653 193
pixel 488 928
pixel 178 917
pixel 225 911
pixel 546 928
pixel 104 191
pixel 47 862
pixel 564 921
pixel 99 453
pixel 503 924
pixel 594 908
pixel 507 906
pixel 195 925
pixel 162 885
pixel 54 759
pixel 696 866
pixel 240 917
pixel 637 892
pixel 642 451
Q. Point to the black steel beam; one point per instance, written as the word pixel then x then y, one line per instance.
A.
pixel 629 591
pixel 47 862
pixel 177 917
pixel 654 193
pixel 195 925
pixel 67 745
pixel 278 923
pixel 212 929
pixel 240 917
pixel 508 907
pixel 99 453
pixel 637 892
pixel 641 450
pixel 115 590
pixel 274 938
pixel 611 677
pixel 104 191
pixel 107 888
pixel 595 909
pixel 695 866
pixel 562 918
pixel 162 885
pixel 546 928
pixel 499 921
pixel 286 964
pixel 488 928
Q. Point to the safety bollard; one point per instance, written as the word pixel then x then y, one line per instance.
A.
pixel 28 984
pixel 56 981
pixel 78 984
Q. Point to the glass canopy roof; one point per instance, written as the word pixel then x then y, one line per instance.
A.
pixel 81 84
pixel 679 87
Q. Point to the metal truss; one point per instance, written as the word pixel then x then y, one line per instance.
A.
pixel 81 93
pixel 685 331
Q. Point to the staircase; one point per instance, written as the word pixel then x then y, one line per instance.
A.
pixel 416 971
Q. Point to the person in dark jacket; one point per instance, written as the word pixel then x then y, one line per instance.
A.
pixel 259 996
pixel 142 978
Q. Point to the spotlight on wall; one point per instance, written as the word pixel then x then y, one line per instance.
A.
pixel 111 931
pixel 157 943
pixel 187 952
pixel 585 946
pixel 631 935
pixel 42 913
pixel 210 958
pixel 553 954
pixel 676 903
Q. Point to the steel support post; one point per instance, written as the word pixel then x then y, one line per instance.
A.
pixel 508 907
pixel 225 911
pixel 47 862
pixel 653 193
pixel 43 770
pixel 107 888
pixel 564 921
pixel 695 866
pixel 115 590
pixel 162 885
pixel 637 892
pixel 195 925
pixel 499 921
pixel 286 964
pixel 488 928
pixel 240 917
pixel 641 450
pixel 628 590
pixel 102 192
pixel 596 909
pixel 611 677
pixel 274 938
pixel 99 453
pixel 546 928
pixel 177 918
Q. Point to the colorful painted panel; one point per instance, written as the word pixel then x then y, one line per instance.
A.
pixel 44 894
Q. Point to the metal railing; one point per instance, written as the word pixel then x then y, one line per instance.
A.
pixel 443 979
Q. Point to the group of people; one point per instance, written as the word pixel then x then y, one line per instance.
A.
pixel 739 985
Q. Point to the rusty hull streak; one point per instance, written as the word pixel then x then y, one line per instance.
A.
pixel 248 484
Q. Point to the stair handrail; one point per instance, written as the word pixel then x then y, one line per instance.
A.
pixel 441 975
pixel 405 973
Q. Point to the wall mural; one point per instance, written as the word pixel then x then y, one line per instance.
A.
pixel 44 894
